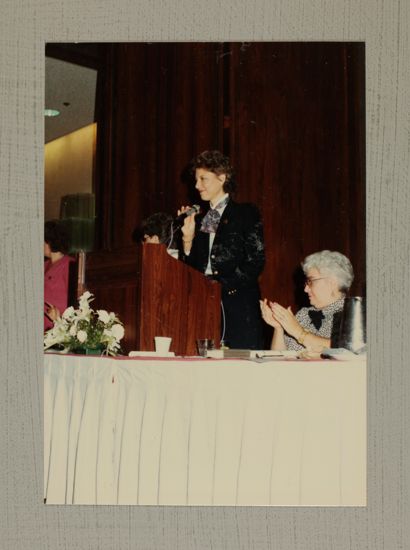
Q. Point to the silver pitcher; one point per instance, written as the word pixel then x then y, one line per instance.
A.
pixel 352 333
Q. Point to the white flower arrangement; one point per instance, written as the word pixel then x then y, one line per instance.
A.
pixel 85 328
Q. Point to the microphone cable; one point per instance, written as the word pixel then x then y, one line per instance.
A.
pixel 223 323
pixel 171 235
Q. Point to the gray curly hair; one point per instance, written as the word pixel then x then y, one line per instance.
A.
pixel 333 264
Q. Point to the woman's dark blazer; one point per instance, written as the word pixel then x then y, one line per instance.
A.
pixel 237 260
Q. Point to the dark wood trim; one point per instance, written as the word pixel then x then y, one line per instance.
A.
pixel 85 54
pixel 105 158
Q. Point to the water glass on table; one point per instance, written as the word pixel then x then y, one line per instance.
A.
pixel 203 345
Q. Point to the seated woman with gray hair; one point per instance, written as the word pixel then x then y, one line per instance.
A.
pixel 329 276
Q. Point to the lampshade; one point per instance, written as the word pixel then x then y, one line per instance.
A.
pixel 77 212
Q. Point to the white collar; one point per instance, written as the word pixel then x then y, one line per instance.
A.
pixel 217 207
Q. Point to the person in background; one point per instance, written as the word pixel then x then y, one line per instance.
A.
pixel 329 276
pixel 56 271
pixel 226 244
pixel 158 229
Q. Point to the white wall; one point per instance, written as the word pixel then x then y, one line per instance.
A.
pixel 68 167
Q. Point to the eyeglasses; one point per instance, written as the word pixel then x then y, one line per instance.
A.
pixel 309 282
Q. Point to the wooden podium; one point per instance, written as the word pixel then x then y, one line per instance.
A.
pixel 175 300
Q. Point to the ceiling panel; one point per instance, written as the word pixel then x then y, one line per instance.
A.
pixel 70 89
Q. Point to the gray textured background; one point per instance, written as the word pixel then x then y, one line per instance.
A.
pixel 24 521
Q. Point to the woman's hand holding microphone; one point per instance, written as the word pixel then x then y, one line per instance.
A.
pixel 188 229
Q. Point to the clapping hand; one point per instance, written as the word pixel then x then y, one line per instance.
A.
pixel 267 314
pixel 52 312
pixel 287 320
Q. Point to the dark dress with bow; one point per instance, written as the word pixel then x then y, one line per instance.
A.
pixel 237 259
pixel 321 322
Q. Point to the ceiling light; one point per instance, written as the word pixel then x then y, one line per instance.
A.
pixel 51 112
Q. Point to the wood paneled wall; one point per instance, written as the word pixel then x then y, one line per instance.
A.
pixel 163 105
pixel 297 137
pixel 291 117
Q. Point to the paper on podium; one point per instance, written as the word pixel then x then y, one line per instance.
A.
pixel 151 354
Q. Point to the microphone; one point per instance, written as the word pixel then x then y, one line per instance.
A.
pixel 179 220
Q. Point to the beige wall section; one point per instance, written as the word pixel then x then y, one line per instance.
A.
pixel 68 167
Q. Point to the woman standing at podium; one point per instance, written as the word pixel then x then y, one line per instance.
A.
pixel 226 244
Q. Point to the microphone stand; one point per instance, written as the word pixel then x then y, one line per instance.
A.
pixel 81 273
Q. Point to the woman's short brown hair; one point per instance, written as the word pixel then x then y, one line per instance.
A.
pixel 219 164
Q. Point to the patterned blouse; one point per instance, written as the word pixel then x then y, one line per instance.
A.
pixel 306 322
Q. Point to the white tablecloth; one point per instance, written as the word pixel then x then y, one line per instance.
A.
pixel 204 432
